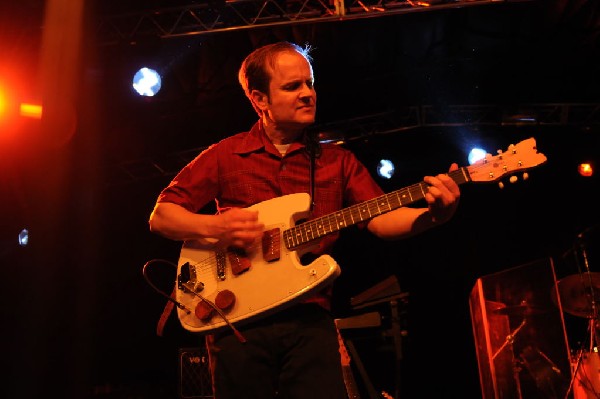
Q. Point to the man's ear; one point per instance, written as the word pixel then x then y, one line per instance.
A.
pixel 260 99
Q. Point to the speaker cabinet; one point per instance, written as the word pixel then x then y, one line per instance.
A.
pixel 194 374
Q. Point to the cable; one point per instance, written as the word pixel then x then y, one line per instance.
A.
pixel 239 336
pixel 169 297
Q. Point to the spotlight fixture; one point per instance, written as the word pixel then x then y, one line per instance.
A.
pixel 385 169
pixel 24 237
pixel 585 169
pixel 475 155
pixel 147 82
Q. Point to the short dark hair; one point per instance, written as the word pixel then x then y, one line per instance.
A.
pixel 254 73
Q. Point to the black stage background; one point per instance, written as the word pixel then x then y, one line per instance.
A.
pixel 79 320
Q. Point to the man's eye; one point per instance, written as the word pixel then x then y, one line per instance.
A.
pixel 291 86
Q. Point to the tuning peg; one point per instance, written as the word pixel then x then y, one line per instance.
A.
pixel 512 149
pixel 525 176
pixel 513 179
pixel 501 185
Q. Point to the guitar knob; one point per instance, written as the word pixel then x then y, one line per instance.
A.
pixel 513 179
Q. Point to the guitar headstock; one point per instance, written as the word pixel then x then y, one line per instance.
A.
pixel 517 157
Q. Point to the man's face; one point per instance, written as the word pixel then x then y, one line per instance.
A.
pixel 292 96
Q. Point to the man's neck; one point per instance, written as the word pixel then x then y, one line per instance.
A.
pixel 279 135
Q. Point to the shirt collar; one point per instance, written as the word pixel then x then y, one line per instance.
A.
pixel 257 139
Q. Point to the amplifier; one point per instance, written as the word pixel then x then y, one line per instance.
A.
pixel 194 374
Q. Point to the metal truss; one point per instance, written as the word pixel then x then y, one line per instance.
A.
pixel 395 121
pixel 226 15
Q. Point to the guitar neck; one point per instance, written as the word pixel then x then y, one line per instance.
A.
pixel 317 228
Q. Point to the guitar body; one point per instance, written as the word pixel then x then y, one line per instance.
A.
pixel 267 285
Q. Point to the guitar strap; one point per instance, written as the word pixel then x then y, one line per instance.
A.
pixel 312 180
pixel 160 326
pixel 314 150
pixel 171 299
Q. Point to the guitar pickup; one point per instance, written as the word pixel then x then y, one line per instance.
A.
pixel 239 261
pixel 271 245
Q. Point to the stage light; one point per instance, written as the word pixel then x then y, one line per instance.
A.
pixel 31 111
pixel 2 104
pixel 475 155
pixel 385 169
pixel 585 169
pixel 8 112
pixel 147 82
pixel 330 136
pixel 24 237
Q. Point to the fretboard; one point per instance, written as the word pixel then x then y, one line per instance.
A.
pixel 315 229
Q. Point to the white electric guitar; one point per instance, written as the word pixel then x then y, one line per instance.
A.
pixel 217 289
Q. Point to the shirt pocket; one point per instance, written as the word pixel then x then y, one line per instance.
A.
pixel 245 188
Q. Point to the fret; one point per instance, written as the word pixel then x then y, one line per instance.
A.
pixel 406 195
pixel 341 221
pixel 347 217
pixel 383 205
pixel 415 193
pixel 326 224
pixel 310 231
pixel 319 226
pixel 303 233
pixel 331 223
pixel 297 236
pixel 373 208
pixel 351 214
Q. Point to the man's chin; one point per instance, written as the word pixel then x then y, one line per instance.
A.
pixel 309 120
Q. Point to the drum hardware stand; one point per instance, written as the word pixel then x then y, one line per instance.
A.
pixel 388 291
pixel 361 369
pixel 591 293
pixel 592 323
pixel 510 339
pixel 397 333
pixel 593 317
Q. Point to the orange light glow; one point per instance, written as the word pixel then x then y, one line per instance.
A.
pixel 3 102
pixel 8 108
pixel 31 111
pixel 7 119
pixel 586 169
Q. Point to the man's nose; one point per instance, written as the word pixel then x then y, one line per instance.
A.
pixel 307 89
pixel 307 93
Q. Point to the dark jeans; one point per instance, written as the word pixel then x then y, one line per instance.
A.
pixel 293 354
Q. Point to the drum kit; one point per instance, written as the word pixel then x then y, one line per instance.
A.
pixel 579 295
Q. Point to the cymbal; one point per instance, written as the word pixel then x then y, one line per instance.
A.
pixel 579 294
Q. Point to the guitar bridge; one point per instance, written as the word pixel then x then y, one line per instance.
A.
pixel 186 280
pixel 221 259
